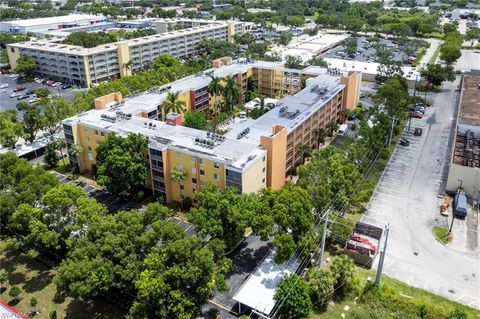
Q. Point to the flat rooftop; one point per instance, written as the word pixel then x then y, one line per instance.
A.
pixel 307 47
pixel 410 73
pixel 470 106
pixel 52 46
pixel 54 20
pixel 258 290
pixel 238 152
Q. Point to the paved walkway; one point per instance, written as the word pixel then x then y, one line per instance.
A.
pixel 434 43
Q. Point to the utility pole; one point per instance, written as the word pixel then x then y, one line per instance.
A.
pixel 382 256
pixel 324 235
pixel 391 132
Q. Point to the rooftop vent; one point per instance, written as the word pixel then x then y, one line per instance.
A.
pixel 243 133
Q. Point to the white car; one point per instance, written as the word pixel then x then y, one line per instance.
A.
pixel 33 100
pixel 4 85
pixel 56 84
pixel 13 75
pixel 14 94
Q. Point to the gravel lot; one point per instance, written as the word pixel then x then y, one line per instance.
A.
pixel 407 198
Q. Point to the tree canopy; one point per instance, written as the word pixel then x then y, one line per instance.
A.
pixel 121 164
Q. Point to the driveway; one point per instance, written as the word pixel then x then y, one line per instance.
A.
pixel 406 197
pixel 434 43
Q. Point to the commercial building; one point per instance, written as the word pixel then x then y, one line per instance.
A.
pixel 465 160
pixel 76 64
pixel 41 25
pixel 251 155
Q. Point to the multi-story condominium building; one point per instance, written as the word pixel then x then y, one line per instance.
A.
pixel 251 155
pixel 85 66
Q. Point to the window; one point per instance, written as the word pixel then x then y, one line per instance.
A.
pixel 182 187
pixel 86 129
pixel 263 170
pixel 200 161
pixel 179 155
pixel 98 142
pixel 102 133
pixel 90 156
pixel 202 172
pixel 216 165
pixel 89 148
pixel 194 180
pixel 180 166
pixel 263 180
pixel 192 158
pixel 194 170
pixel 95 132
pixel 216 177
pixel 88 139
pixel 12 50
pixel 263 159
pixel 193 190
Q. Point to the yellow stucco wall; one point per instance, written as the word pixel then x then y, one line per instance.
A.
pixel 86 65
pixel 123 57
pixel 13 55
pixel 276 146
pixel 254 179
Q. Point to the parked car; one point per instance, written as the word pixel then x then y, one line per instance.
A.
pixel 13 75
pixel 19 88
pixel 33 100
pixel 420 109
pixel 22 97
pixel 4 85
pixel 66 86
pixel 14 94
pixel 50 82
pixel 30 92
pixel 56 84
pixel 416 114
pixel 362 95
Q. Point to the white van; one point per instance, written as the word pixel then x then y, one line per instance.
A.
pixel 343 129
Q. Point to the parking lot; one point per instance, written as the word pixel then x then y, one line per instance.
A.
pixel 9 103
pixel 408 198
pixel 368 55
pixel 113 202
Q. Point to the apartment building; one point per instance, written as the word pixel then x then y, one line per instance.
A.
pixel 85 66
pixel 251 155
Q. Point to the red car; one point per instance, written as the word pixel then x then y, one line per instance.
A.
pixel 19 88
pixel 416 114
pixel 50 82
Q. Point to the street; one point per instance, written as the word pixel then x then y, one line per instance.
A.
pixel 406 198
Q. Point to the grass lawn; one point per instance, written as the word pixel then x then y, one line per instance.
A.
pixel 401 290
pixel 36 279
pixel 441 233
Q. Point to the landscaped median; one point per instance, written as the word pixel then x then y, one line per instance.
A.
pixel 442 234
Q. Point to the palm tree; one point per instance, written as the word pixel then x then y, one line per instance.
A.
pixel 172 104
pixel 231 92
pixel 215 89
pixel 321 134
pixel 344 114
pixel 60 144
pixel 74 150
pixel 127 66
pixel 178 175
pixel 306 151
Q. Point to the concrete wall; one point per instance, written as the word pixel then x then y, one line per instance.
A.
pixel 123 58
pixel 470 177
pixel 13 55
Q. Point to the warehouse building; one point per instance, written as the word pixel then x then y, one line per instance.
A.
pixel 41 25
pixel 76 64
pixel 465 160
pixel 251 155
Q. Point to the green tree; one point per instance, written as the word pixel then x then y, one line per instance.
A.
pixel 342 268
pixel 121 163
pixel 3 278
pixel 33 120
pixel 50 157
pixel 15 292
pixel 393 95
pixel 26 65
pixel 56 109
pixel 284 38
pixel 473 35
pixel 173 104
pixel 231 93
pixel 42 92
pixel 11 129
pixel 215 89
pixel 320 282
pixel 176 280
pixel 196 120
pixel 293 62
pixel 33 302
pixel 178 175
pixel 450 52
pixel 351 45
pixel 457 314
pixel 436 74
pixel 293 291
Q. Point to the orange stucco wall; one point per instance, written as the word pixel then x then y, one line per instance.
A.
pixel 353 82
pixel 276 146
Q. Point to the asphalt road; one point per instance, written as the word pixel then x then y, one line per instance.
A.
pixel 469 60
pixel 406 198
pixel 8 103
